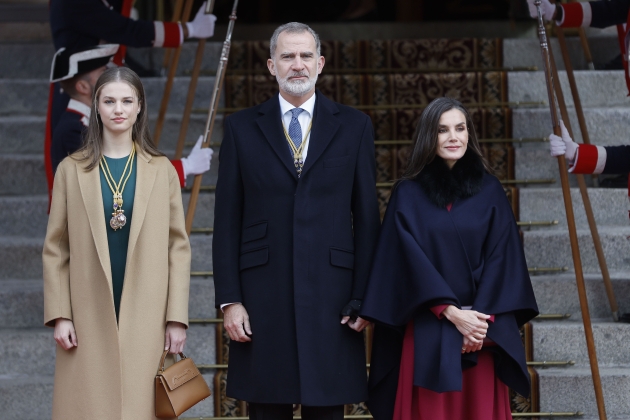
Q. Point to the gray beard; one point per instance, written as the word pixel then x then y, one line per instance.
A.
pixel 296 88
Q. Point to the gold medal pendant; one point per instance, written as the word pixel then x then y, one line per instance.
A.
pixel 118 219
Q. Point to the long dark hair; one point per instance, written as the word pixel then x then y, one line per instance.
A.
pixel 92 147
pixel 426 136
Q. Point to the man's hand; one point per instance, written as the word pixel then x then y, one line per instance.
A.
pixel 202 26
pixel 564 145
pixel 236 323
pixel 64 334
pixel 548 10
pixel 350 316
pixel 472 325
pixel 175 337
pixel 198 161
pixel 358 325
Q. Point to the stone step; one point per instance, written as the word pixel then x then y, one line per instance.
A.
pixel 609 205
pixel 25 134
pixel 522 52
pixel 552 248
pixel 33 61
pixel 204 213
pixel 29 397
pixel 606 126
pixel 557 294
pixel 30 96
pixel 25 397
pixel 22 301
pixel 27 215
pixel 565 341
pixel 571 389
pixel 24 215
pixel 22 257
pixel 25 256
pixel 24 174
pixel 599 88
pixel 31 351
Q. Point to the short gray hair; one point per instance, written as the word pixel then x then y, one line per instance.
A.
pixel 293 28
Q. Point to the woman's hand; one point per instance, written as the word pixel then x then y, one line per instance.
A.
pixel 472 325
pixel 175 337
pixel 64 334
pixel 469 347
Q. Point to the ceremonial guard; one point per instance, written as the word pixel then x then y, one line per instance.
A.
pixel 596 14
pixel 591 159
pixel 77 72
pixel 585 158
pixel 79 24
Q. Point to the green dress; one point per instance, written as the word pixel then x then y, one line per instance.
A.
pixel 118 240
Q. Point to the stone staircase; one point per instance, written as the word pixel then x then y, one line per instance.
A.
pixel 26 370
pixel 606 108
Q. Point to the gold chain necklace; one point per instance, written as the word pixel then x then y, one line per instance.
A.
pixel 118 219
pixel 297 151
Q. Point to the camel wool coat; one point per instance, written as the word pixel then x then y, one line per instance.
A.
pixel 110 374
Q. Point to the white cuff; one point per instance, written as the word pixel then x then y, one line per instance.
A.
pixel 601 160
pixel 224 305
pixel 159 34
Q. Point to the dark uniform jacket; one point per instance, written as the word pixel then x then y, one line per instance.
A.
pixel 295 252
pixel 84 23
pixel 68 135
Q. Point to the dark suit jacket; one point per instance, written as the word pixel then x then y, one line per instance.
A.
pixel 295 252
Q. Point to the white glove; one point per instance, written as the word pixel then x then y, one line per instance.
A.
pixel 547 9
pixel 198 161
pixel 202 25
pixel 563 145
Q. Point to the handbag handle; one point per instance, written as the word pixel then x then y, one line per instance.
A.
pixel 161 367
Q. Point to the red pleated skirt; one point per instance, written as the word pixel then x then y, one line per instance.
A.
pixel 483 395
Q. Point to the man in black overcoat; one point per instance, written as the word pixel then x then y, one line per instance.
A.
pixel 296 221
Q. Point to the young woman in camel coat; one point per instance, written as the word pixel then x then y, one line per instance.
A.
pixel 114 309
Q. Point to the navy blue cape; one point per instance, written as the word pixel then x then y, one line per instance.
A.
pixel 427 256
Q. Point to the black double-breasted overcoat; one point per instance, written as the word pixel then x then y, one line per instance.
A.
pixel 295 252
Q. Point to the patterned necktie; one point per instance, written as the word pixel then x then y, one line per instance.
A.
pixel 295 130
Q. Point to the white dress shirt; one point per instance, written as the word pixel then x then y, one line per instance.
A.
pixel 305 119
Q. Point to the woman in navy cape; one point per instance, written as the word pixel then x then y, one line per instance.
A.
pixel 449 286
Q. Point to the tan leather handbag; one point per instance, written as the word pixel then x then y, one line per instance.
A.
pixel 178 387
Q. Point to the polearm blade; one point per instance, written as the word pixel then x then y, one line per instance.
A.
pixel 212 113
pixel 566 193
